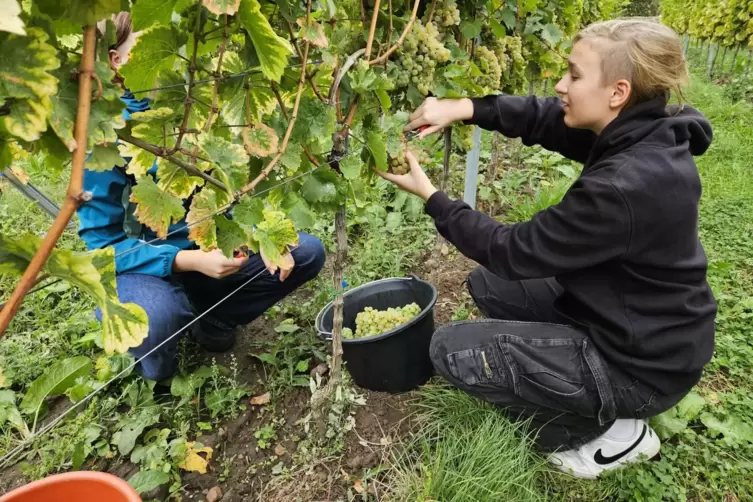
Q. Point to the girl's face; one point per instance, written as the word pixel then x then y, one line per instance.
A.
pixel 587 101
pixel 119 56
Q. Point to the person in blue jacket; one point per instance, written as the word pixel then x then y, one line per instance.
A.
pixel 172 279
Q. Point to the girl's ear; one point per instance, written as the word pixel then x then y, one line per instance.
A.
pixel 115 60
pixel 620 94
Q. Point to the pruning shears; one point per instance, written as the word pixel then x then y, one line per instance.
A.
pixel 411 135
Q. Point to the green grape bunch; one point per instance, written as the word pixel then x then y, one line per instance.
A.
pixel 372 322
pixel 400 164
pixel 420 55
pixel 491 70
pixel 446 14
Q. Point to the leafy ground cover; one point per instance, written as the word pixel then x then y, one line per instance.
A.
pixel 240 420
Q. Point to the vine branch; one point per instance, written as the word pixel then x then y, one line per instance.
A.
pixel 301 85
pixel 188 104
pixel 75 195
pixel 399 42
pixel 372 28
pixel 160 152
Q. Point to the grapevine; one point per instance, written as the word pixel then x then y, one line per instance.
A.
pixel 372 322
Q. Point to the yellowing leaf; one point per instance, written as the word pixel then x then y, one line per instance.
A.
pixel 124 325
pixel 176 180
pixel 272 50
pixel 231 158
pixel 275 234
pixel 10 21
pixel 25 66
pixel 156 208
pixel 313 32
pixel 222 6
pixel 160 113
pixel 195 462
pixel 141 160
pixel 261 140
pixel 202 229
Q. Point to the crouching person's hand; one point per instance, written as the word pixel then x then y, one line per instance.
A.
pixel 212 263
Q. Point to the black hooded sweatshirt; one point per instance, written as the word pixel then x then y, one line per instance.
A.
pixel 623 242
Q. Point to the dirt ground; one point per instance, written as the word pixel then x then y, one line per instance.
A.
pixel 244 472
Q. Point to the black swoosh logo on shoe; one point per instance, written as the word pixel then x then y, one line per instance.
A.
pixel 602 460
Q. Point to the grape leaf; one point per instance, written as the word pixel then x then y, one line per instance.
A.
pixel 106 113
pixel 231 158
pixel 313 33
pixel 274 235
pixel 551 34
pixel 146 481
pixel 11 22
pixel 272 50
pixel 378 149
pixel 471 29
pixel 176 180
pixel 156 50
pixel 124 325
pixel 80 12
pixel 25 78
pixel 260 139
pixel 55 381
pixel 320 186
pixel 298 211
pixel 249 212
pixel 140 160
pixel 203 230
pixel 146 13
pixel 315 120
pixel 292 157
pixel 222 6
pixel 104 158
pixel 230 235
pixel 350 166
pixel 156 208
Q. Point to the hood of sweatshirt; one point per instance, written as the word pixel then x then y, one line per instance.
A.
pixel 653 122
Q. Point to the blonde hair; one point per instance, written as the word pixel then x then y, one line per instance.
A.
pixel 644 52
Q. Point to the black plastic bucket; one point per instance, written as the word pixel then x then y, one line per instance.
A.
pixel 395 361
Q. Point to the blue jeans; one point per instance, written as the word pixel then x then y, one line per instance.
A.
pixel 172 302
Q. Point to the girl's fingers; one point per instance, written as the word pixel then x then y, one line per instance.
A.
pixel 416 123
pixel 388 176
pixel 429 130
pixel 416 113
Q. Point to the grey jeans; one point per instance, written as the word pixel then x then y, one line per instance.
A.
pixel 528 361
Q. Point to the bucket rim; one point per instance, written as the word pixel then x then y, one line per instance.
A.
pixel 386 334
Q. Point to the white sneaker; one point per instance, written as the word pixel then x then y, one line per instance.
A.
pixel 606 453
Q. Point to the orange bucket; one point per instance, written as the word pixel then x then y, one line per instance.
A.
pixel 81 486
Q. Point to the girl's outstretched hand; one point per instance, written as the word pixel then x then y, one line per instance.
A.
pixel 438 114
pixel 415 181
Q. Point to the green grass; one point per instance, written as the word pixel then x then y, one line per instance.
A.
pixel 466 451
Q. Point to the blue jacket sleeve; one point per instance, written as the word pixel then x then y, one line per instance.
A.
pixel 102 224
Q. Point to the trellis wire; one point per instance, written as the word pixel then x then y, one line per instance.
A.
pixel 15 451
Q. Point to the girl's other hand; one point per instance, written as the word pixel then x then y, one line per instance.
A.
pixel 212 264
pixel 438 114
pixel 415 182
